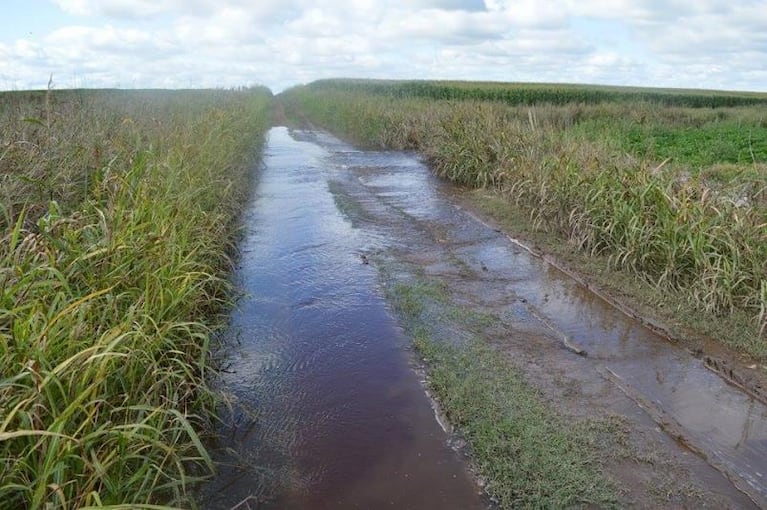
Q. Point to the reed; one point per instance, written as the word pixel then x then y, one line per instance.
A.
pixel 633 180
pixel 118 209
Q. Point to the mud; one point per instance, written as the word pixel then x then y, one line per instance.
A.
pixel 710 434
pixel 326 410
pixel 341 417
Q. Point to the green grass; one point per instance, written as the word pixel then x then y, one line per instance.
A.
pixel 700 147
pixel 118 211
pixel 697 142
pixel 674 196
pixel 528 455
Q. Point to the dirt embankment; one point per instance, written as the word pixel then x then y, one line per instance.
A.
pixel 665 428
pixel 636 299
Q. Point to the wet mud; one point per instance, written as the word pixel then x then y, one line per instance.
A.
pixel 326 412
pixel 561 330
pixel 342 419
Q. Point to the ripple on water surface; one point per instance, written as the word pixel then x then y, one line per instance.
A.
pixel 340 421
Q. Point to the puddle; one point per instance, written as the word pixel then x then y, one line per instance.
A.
pixel 328 412
pixel 542 308
pixel 341 418
pixel 719 421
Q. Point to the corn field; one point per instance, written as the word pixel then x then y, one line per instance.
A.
pixel 531 94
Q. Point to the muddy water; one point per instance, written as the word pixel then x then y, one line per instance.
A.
pixel 393 196
pixel 341 420
pixel 328 412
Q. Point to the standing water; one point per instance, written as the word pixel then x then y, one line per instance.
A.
pixel 328 412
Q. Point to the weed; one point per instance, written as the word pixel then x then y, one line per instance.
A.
pixel 117 216
pixel 628 176
pixel 523 449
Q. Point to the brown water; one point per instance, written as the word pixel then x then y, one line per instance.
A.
pixel 539 306
pixel 341 419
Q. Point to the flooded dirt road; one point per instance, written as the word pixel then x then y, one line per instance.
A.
pixel 342 419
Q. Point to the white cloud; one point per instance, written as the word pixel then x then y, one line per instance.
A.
pixel 142 8
pixel 440 25
pixel 181 43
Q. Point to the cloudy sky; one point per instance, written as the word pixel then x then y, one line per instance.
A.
pixel 719 44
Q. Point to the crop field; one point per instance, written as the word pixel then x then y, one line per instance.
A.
pixel 541 93
pixel 667 186
pixel 117 209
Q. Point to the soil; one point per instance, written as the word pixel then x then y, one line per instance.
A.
pixel 682 420
pixel 689 438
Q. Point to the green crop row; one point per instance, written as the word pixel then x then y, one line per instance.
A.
pixel 117 211
pixel 531 94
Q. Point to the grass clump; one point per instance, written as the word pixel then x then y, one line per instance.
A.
pixel 112 274
pixel 528 455
pixel 628 180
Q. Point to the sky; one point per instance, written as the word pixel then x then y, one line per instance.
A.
pixel 709 44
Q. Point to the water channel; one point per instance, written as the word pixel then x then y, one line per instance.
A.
pixel 341 418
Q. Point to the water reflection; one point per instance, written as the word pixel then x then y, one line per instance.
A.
pixel 408 203
pixel 341 421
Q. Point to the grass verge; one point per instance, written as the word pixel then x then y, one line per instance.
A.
pixel 113 258
pixel 625 182
pixel 528 455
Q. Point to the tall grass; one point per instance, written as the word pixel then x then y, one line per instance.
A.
pixel 697 225
pixel 117 212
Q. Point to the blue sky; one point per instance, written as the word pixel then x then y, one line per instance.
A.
pixel 29 19
pixel 716 44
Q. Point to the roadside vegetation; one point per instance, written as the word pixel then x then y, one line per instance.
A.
pixel 117 213
pixel 669 188
pixel 526 454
